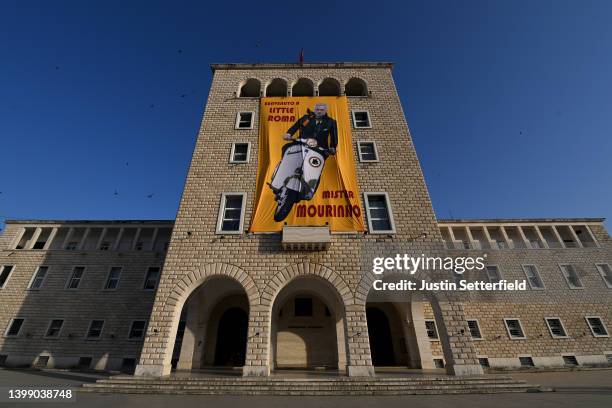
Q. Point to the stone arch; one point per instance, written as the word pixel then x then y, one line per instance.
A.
pixel 329 87
pixel 356 87
pixel 277 87
pixel 250 88
pixel 303 87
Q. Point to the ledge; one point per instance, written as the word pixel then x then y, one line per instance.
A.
pixel 306 238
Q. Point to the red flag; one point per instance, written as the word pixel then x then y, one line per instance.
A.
pixel 302 56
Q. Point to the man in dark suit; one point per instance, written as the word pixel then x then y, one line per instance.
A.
pixel 317 125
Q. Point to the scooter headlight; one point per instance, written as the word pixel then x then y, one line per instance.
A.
pixel 312 143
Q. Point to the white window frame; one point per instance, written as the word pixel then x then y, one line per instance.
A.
pixel 233 150
pixel 539 276
pixel 602 323
pixel 108 277
pixel 59 333
pixel 87 337
pixel 221 213
pixel 389 211
pixel 482 337
pixel 8 327
pixel 67 287
pixel 609 286
pixel 499 272
pixel 435 326
pixel 34 277
pixel 508 328
pixel 144 281
pixel 569 285
pixel 144 330
pixel 236 125
pixel 361 159
pixel 9 275
pixel 353 112
pixel 554 336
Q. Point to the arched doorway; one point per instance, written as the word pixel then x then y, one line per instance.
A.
pixel 308 326
pixel 232 338
pixel 381 340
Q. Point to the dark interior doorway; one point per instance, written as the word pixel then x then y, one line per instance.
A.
pixel 232 338
pixel 379 332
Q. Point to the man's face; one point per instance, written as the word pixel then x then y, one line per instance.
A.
pixel 320 110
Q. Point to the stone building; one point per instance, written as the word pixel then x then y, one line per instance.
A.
pixel 123 295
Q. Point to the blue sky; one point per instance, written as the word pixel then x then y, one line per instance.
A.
pixel 509 102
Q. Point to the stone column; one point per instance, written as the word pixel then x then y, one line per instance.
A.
pixel 359 357
pixel 188 344
pixel 457 344
pixel 257 362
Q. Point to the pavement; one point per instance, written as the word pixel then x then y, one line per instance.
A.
pixel 572 389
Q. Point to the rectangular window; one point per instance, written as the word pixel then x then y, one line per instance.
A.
pixel 231 213
pixel 570 361
pixel 380 218
pixel 474 329
pixel 112 282
pixel 4 275
pixel 432 330
pixel 533 277
pixel 361 120
pixel 556 328
pixel 76 277
pixel 244 120
pixel 597 326
pixel 303 307
pixel 39 277
pixel 151 278
pixel 484 362
pixel 54 329
pixel 14 327
pixel 367 151
pixel 526 362
pixel 438 363
pixel 515 330
pixel 493 273
pixel 71 246
pixel 137 330
pixel 95 329
pixel 240 153
pixel 606 274
pixel 571 276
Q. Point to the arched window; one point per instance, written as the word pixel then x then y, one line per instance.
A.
pixel 250 89
pixel 356 87
pixel 278 87
pixel 303 87
pixel 329 87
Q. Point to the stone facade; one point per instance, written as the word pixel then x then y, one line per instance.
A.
pixel 210 279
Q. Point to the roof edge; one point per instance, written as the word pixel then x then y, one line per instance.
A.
pixel 287 65
pixel 517 220
pixel 30 221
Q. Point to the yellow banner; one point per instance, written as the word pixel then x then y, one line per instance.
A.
pixel 306 172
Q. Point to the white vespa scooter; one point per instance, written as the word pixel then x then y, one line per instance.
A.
pixel 297 175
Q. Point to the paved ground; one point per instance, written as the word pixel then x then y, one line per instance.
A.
pixel 574 389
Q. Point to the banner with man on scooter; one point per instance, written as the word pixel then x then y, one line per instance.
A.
pixel 306 170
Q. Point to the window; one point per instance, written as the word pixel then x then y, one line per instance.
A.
pixel 104 246
pixel 95 329
pixel 361 120
pixel 14 328
pixel 151 278
pixel 303 307
pixel 71 246
pixel 533 277
pixel 244 120
pixel 137 330
pixel 41 362
pixel 555 326
pixel 515 330
pixel 606 274
pixel 570 360
pixel 231 213
pixel 569 272
pixel 493 273
pixel 39 277
pixel 474 329
pixel 484 362
pixel 367 151
pixel 380 219
pixel 526 362
pixel 432 330
pixel 438 362
pixel 112 281
pixel 4 274
pixel 597 326
pixel 54 329
pixel 240 153
pixel 75 278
